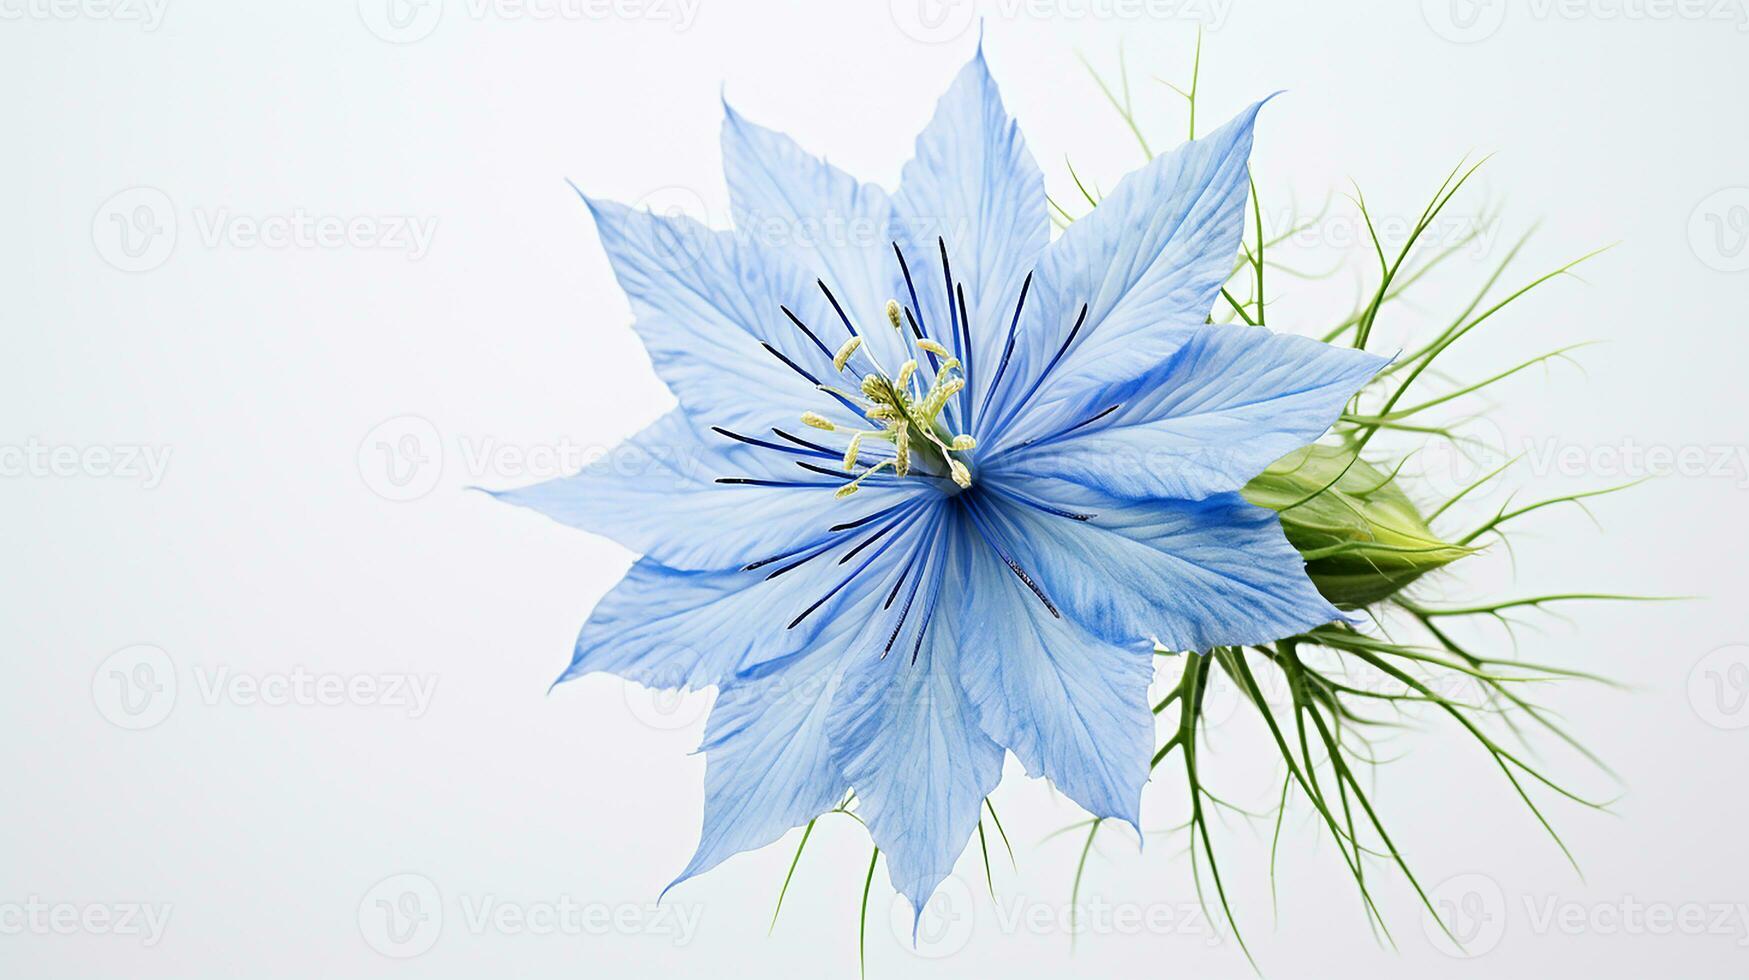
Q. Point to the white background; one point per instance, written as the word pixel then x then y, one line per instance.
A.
pixel 273 548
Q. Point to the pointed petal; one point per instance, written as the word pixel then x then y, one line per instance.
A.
pixel 657 494
pixel 663 627
pixel 974 185
pixel 907 739
pixel 768 763
pixel 820 219
pixel 1069 705
pixel 1230 401
pixel 1152 256
pixel 705 301
pixel 1191 574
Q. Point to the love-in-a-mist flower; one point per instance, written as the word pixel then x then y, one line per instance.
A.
pixel 937 484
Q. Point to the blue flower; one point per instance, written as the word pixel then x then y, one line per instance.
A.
pixel 937 484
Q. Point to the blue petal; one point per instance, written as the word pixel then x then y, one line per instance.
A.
pixel 663 627
pixel 1230 401
pixel 657 494
pixel 906 737
pixel 768 762
pixel 819 218
pixel 705 302
pixel 1191 574
pixel 1152 256
pixel 974 185
pixel 1069 705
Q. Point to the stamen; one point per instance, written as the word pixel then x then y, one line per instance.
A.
pixel 844 351
pixel 893 314
pixel 963 443
pixel 851 453
pixel 932 347
pixel 902 442
pixel 818 422
pixel 960 474
pixel 905 371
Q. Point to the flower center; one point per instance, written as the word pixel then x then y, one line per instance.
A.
pixel 906 411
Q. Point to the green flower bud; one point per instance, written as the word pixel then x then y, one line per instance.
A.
pixel 1363 539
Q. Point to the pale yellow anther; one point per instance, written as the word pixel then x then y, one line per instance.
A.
pixel 963 443
pixel 845 490
pixel 851 452
pixel 905 371
pixel 932 347
pixel 902 445
pixel 843 356
pixel 961 475
pixel 818 421
pixel 874 390
pixel 893 313
pixel 884 413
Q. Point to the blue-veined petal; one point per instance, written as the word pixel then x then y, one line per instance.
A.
pixel 1069 705
pixel 904 734
pixel 657 494
pixel 664 627
pixel 1191 574
pixel 1151 257
pixel 822 220
pixel 974 185
pixel 705 303
pixel 768 761
pixel 1231 400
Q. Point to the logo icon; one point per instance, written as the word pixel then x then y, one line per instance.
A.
pixel 945 925
pixel 1464 21
pixel 135 687
pixel 933 21
pixel 402 458
pixel 135 230
pixel 1718 230
pixel 1473 909
pixel 401 916
pixel 401 21
pixel 1718 687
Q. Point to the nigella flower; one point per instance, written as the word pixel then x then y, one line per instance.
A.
pixel 937 485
